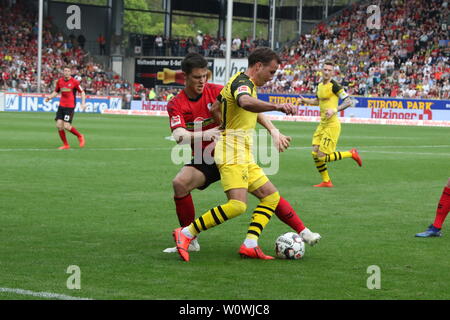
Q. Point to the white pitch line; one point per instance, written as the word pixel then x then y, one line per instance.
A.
pixel 360 148
pixel 46 295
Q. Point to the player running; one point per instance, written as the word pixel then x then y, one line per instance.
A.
pixel 434 230
pixel 193 105
pixel 326 136
pixel 238 170
pixel 68 86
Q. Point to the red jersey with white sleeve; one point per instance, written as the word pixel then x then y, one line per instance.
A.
pixel 68 89
pixel 189 113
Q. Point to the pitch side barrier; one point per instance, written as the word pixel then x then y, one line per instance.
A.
pixel 371 110
pixel 34 102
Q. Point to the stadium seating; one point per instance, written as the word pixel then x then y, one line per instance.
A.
pixel 18 52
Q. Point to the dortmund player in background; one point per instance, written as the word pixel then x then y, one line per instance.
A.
pixel 327 134
pixel 238 171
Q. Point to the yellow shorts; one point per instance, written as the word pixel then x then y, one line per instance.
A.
pixel 326 138
pixel 236 176
pixel 237 167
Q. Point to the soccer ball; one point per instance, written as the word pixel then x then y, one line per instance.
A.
pixel 289 246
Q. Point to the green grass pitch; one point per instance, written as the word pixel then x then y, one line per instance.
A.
pixel 108 209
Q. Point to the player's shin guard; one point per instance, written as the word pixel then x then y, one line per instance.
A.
pixel 185 210
pixel 287 214
pixel 217 215
pixel 262 214
pixel 321 167
pixel 335 156
pixel 443 208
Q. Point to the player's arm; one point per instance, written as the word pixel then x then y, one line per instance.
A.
pixel 309 101
pixel 247 102
pixel 83 96
pixel 347 101
pixel 280 141
pixel 83 100
pixel 51 96
pixel 54 93
pixel 183 136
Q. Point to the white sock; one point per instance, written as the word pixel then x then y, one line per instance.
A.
pixel 186 232
pixel 250 243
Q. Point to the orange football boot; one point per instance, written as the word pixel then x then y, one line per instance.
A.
pixel 182 242
pixel 253 253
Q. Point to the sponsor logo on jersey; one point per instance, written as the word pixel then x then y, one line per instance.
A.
pixel 175 120
pixel 243 89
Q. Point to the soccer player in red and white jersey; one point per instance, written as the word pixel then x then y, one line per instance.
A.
pixel 443 208
pixel 68 86
pixel 193 107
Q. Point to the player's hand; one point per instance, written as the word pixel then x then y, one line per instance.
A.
pixel 46 100
pixel 280 141
pixel 211 134
pixel 302 99
pixel 83 106
pixel 329 113
pixel 288 108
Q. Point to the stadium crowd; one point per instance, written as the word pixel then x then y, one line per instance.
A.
pixel 407 57
pixel 206 45
pixel 18 52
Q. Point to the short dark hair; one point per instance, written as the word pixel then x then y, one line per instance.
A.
pixel 193 60
pixel 264 55
pixel 329 63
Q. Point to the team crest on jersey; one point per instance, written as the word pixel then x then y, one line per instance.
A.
pixel 175 120
pixel 243 89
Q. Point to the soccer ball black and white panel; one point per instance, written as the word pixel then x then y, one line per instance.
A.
pixel 290 246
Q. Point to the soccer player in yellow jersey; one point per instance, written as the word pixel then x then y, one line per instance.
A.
pixel 238 170
pixel 326 136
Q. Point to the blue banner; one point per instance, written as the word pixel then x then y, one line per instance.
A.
pixel 374 107
pixel 35 103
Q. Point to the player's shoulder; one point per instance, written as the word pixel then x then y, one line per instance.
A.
pixel 336 86
pixel 178 101
pixel 213 87
pixel 240 79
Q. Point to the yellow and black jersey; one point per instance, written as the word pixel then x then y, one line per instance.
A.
pixel 234 117
pixel 328 96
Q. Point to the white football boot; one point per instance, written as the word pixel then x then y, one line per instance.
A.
pixel 193 246
pixel 309 237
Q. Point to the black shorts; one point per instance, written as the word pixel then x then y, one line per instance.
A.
pixel 65 114
pixel 210 171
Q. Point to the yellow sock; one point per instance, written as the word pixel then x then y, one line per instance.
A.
pixel 262 214
pixel 321 167
pixel 217 215
pixel 335 156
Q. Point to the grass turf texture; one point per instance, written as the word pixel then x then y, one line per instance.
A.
pixel 108 209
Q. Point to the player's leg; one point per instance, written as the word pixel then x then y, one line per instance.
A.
pixel 287 214
pixel 188 178
pixel 321 167
pixel 184 182
pixel 68 118
pixel 235 185
pixel 327 149
pixel 434 230
pixel 59 118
